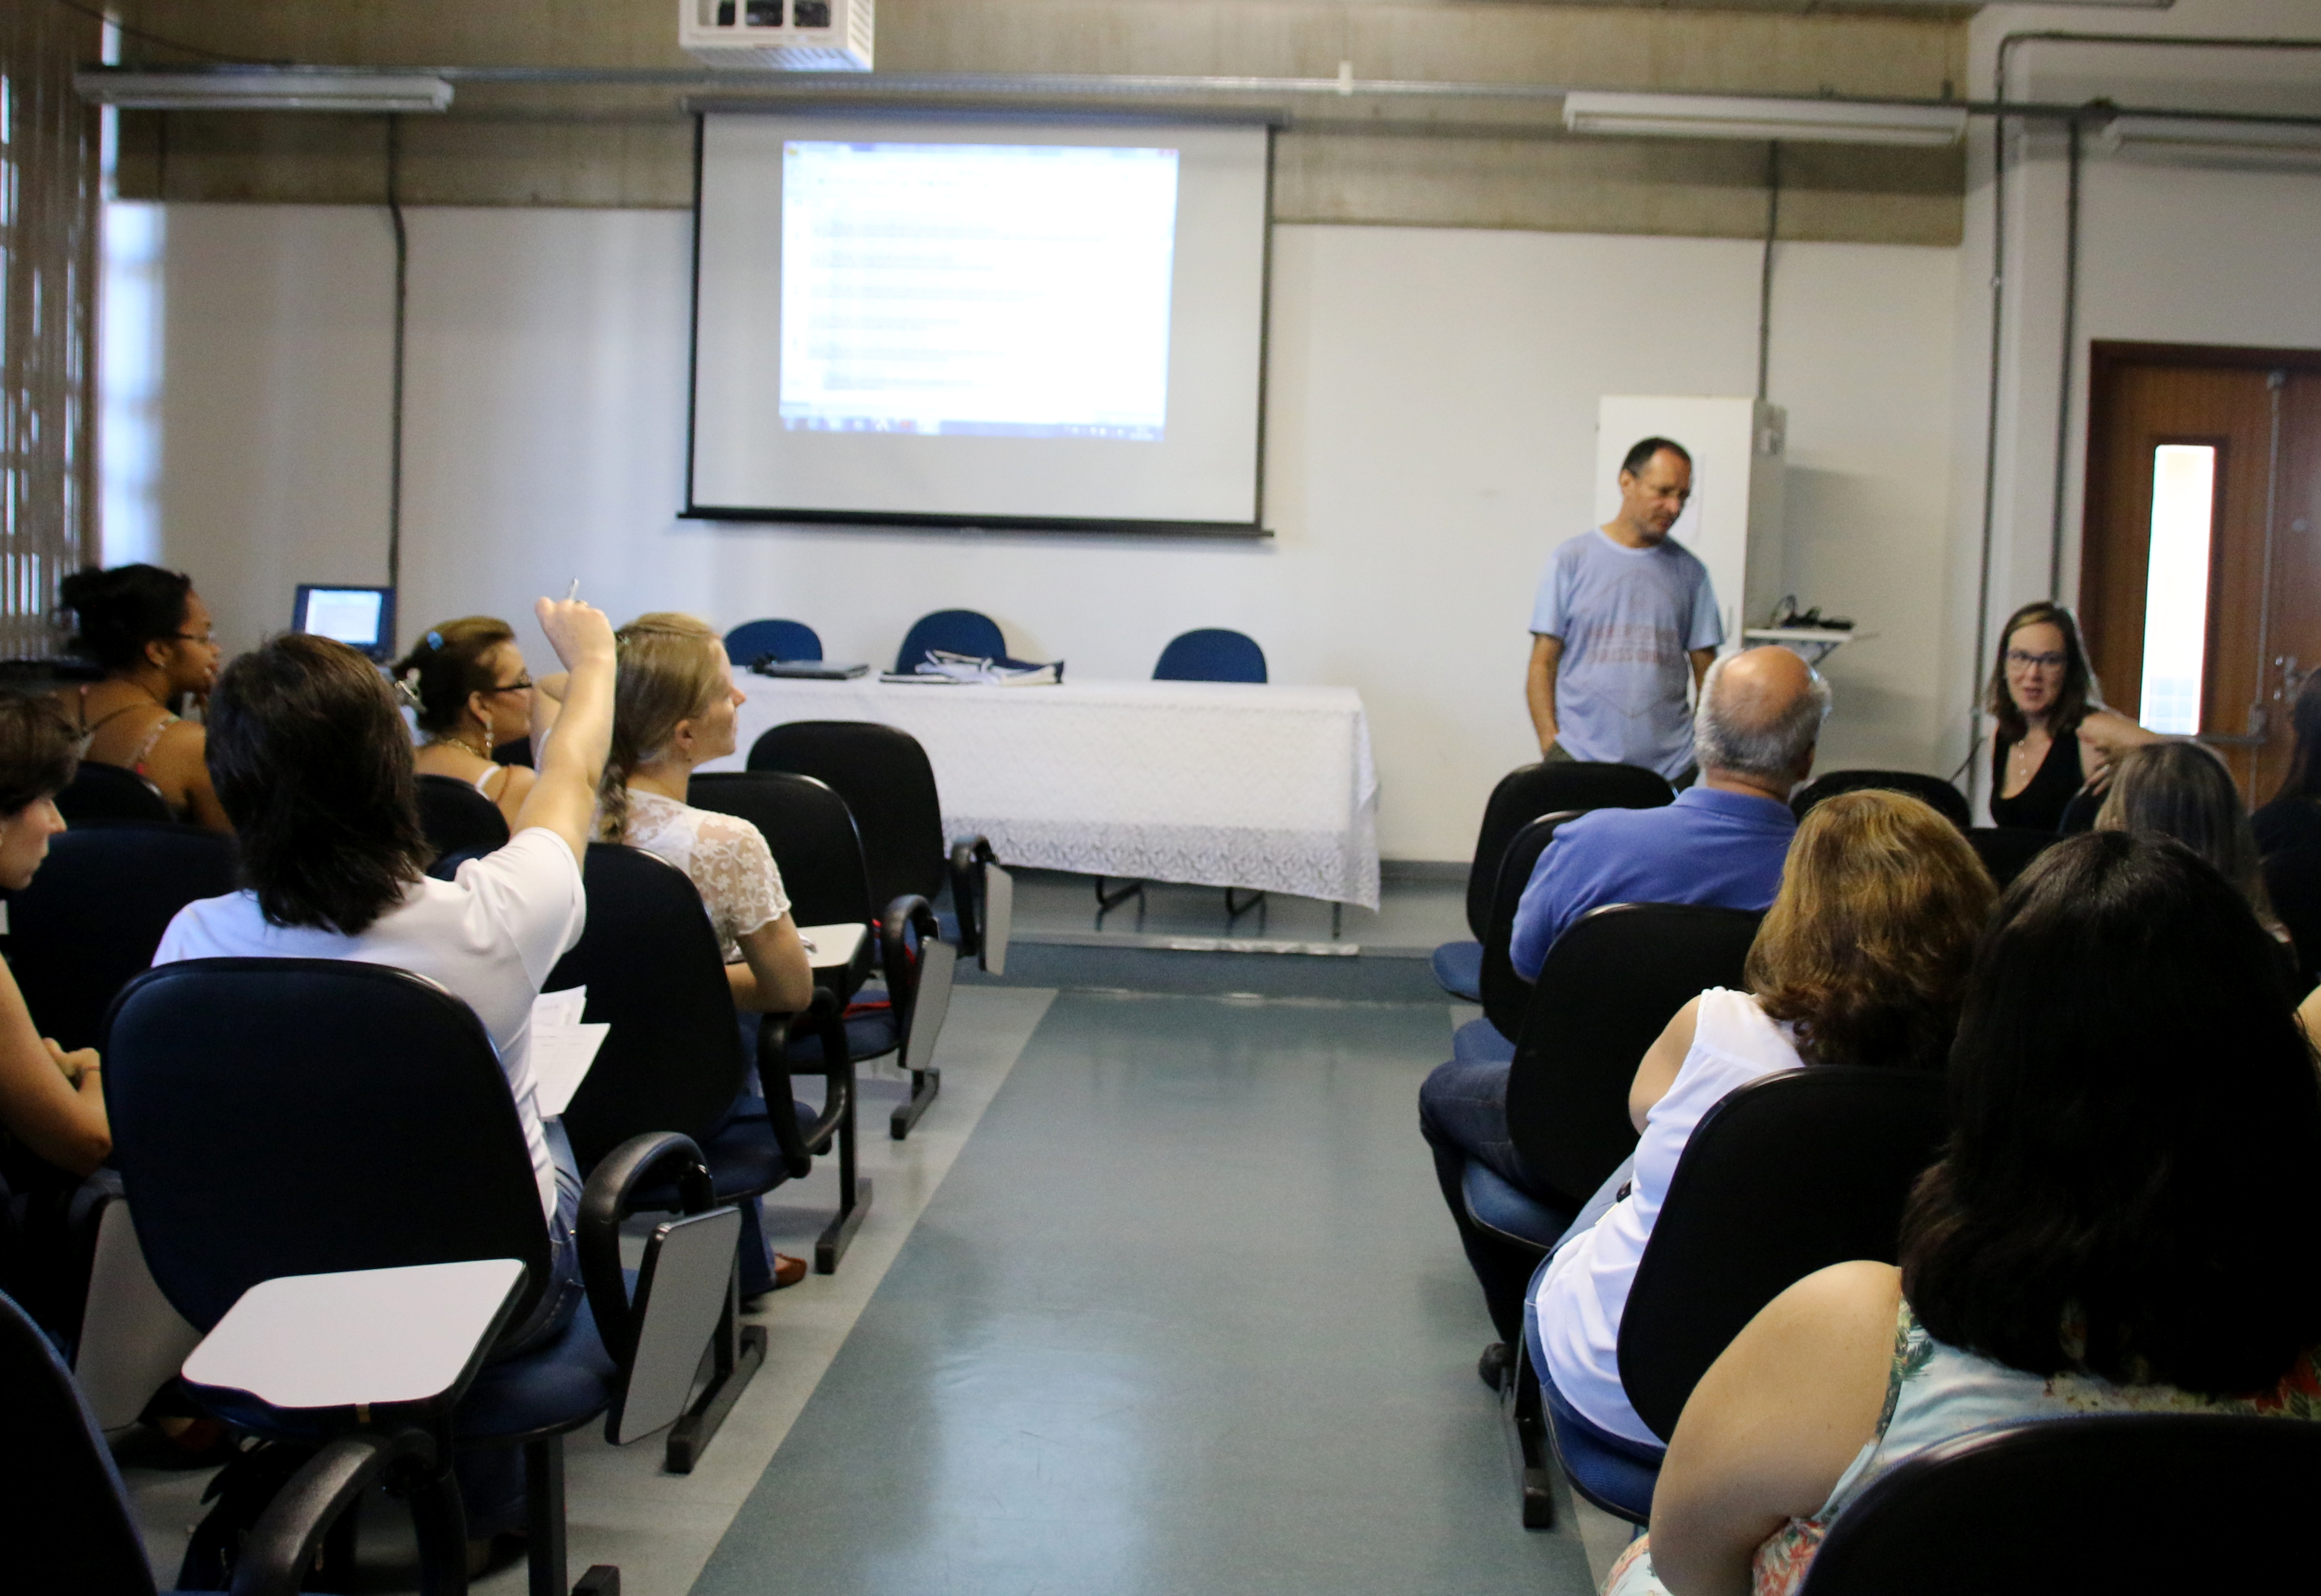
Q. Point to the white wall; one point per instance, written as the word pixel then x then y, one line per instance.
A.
pixel 1430 437
pixel 2168 254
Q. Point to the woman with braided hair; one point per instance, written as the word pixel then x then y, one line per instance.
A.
pixel 673 710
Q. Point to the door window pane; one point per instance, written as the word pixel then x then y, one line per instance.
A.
pixel 2176 589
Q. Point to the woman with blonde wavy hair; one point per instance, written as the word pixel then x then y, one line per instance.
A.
pixel 673 707
pixel 1861 961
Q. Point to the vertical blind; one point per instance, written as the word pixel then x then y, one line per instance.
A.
pixel 49 218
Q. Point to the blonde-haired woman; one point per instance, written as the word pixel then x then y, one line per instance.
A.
pixel 1862 960
pixel 673 711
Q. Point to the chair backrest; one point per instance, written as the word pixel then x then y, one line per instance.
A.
pixel 91 919
pixel 954 630
pixel 2006 850
pixel 2292 880
pixel 1932 791
pixel 1542 789
pixel 1610 986
pixel 457 818
pixel 753 641
pixel 2109 1502
pixel 1789 1174
pixel 1505 995
pixel 108 792
pixel 812 832
pixel 888 786
pixel 74 1529
pixel 276 1117
pixel 1211 653
pixel 673 1059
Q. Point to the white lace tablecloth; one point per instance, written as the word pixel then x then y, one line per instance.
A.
pixel 1216 783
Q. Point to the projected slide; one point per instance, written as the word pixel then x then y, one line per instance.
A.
pixel 999 290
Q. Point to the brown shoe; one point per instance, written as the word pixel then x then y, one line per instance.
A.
pixel 787 1270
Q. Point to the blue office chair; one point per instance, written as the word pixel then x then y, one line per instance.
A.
pixel 955 631
pixel 108 792
pixel 813 833
pixel 753 641
pixel 1789 1174
pixel 674 1059
pixel 1523 792
pixel 1943 798
pixel 75 1528
pixel 457 818
pixel 2110 1501
pixel 90 920
pixel 281 1117
pixel 1212 653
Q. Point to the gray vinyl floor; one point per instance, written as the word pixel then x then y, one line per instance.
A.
pixel 1161 1298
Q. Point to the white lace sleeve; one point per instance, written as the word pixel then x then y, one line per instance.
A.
pixel 736 873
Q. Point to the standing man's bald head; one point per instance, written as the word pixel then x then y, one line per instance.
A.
pixel 1759 716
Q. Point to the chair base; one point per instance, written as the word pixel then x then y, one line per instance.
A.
pixel 924 1084
pixel 601 1579
pixel 831 1246
pixel 690 1435
pixel 1525 1424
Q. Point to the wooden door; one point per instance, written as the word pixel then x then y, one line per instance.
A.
pixel 2244 426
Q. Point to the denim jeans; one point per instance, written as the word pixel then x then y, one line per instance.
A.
pixel 1463 1113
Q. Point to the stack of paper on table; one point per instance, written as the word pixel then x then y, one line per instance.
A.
pixel 563 1046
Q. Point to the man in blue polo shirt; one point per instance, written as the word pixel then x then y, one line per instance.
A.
pixel 1722 842
pixel 1625 621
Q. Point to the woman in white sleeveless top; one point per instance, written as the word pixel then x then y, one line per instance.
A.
pixel 2122 1221
pixel 1860 961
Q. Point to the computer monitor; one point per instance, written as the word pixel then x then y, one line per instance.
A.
pixel 363 618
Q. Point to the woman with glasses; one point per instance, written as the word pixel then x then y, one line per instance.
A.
pixel 466 680
pixel 2049 736
pixel 151 633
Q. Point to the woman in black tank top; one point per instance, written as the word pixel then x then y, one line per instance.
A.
pixel 2044 724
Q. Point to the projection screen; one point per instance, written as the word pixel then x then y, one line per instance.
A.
pixel 913 321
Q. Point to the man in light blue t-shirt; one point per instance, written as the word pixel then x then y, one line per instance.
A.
pixel 1621 612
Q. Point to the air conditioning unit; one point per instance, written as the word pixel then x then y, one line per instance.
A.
pixel 787 35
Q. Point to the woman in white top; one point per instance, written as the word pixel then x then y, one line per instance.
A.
pixel 312 761
pixel 468 683
pixel 1861 961
pixel 673 711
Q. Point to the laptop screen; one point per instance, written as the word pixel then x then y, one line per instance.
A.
pixel 361 617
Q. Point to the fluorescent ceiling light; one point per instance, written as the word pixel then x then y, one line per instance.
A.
pixel 1730 116
pixel 2191 138
pixel 265 89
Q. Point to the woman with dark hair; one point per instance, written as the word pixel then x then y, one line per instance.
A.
pixel 1860 961
pixel 51 1101
pixel 312 762
pixel 151 633
pixel 468 681
pixel 2293 818
pixel 2184 791
pixel 2074 1252
pixel 2049 736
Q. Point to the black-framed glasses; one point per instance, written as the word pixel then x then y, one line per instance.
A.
pixel 522 684
pixel 2022 659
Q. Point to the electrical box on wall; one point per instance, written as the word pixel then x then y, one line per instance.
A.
pixel 1734 520
pixel 787 35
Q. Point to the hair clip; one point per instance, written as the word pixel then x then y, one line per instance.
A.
pixel 403 691
pixel 434 639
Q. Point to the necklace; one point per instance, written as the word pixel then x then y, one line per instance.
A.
pixel 484 753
